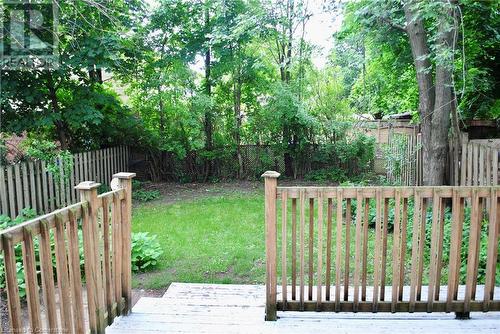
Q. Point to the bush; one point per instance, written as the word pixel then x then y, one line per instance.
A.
pixel 145 251
pixel 146 195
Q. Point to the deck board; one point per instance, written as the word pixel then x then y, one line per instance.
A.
pixel 215 308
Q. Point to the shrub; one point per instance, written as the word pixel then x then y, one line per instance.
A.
pixel 145 251
pixel 146 195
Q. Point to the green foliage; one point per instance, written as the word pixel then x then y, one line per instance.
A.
pixel 142 195
pixel 145 251
pixel 46 150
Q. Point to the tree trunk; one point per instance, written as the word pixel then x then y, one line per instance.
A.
pixel 441 121
pixel 421 57
pixel 237 117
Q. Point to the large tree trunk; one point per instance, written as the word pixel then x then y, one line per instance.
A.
pixel 443 104
pixel 421 57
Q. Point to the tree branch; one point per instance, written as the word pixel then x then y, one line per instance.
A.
pixel 393 24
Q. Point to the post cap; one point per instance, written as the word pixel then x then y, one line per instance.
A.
pixel 87 185
pixel 123 175
pixel 271 174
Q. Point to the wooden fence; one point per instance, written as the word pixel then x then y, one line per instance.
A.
pixel 104 221
pixel 400 266
pixel 403 157
pixel 476 164
pixel 31 185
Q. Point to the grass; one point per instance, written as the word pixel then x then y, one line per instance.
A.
pixel 212 240
pixel 221 240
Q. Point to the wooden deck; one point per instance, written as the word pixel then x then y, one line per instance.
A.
pixel 217 308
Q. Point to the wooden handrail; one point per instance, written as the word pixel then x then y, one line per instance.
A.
pixel 104 221
pixel 409 265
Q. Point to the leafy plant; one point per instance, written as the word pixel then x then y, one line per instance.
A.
pixel 145 251
pixel 46 150
pixel 146 195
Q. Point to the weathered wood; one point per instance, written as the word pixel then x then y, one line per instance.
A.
pixel 284 240
pixel 366 223
pixel 329 212
pixel 378 250
pixel 385 228
pixel 270 179
pixel 294 249
pixel 348 221
pixel 456 240
pixel 75 274
pixel 319 270
pixel 338 251
pixel 125 182
pixel 117 251
pixel 396 246
pixel 310 280
pixel 433 267
pixel 357 252
pixel 421 245
pixel 402 255
pixel 475 228
pixel 62 276
pixel 49 292
pixel 31 281
pixel 302 243
pixel 13 301
pixel 492 252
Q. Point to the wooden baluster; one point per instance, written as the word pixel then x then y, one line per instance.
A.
pixel 320 251
pixel 328 248
pixel 414 249
pixel 338 254
pixel 117 251
pixel 357 249
pixel 75 273
pixel 49 293
pixel 62 276
pixel 439 250
pixel 294 248
pixel 475 228
pixel 396 245
pixel 402 256
pixel 366 223
pixel 421 244
pixel 348 221
pixel 493 231
pixel 384 248
pixel 93 272
pixel 13 302
pixel 31 280
pixel 311 249
pixel 283 247
pixel 378 250
pixel 302 200
pixel 108 281
pixel 455 248
pixel 271 240
pixel 433 252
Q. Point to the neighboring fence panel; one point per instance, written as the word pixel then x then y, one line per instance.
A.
pixel 403 159
pixel 478 164
pixel 339 264
pixel 30 184
pixel 104 221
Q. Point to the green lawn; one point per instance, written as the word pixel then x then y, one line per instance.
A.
pixel 213 240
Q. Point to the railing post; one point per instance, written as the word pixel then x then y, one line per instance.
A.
pixel 93 270
pixel 124 181
pixel 270 185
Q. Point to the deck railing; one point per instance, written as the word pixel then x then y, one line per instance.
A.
pixel 425 238
pixel 104 223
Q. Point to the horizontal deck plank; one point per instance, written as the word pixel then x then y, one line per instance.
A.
pixel 214 308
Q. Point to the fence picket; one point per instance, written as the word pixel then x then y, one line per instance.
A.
pixel 348 221
pixel 338 251
pixel 283 247
pixel 328 248
pixel 319 270
pixel 294 248
pixel 357 251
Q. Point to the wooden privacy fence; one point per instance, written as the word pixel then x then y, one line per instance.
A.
pixel 31 185
pixel 104 221
pixel 476 164
pixel 328 257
